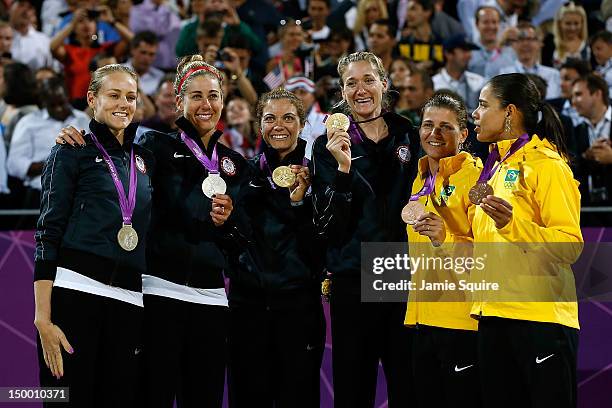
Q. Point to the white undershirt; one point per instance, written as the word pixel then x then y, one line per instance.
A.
pixel 152 285
pixel 65 278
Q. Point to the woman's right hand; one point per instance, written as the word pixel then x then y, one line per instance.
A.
pixel 52 339
pixel 71 136
pixel 339 145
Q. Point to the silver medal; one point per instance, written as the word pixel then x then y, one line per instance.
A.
pixel 127 237
pixel 213 184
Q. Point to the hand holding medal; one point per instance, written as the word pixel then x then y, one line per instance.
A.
pixel 222 207
pixel 339 141
pixel 302 182
pixel 431 225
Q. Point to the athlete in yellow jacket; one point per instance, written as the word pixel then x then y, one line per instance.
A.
pixel 528 221
pixel 440 214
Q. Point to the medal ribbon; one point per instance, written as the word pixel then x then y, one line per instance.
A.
pixel 128 203
pixel 263 165
pixel 212 164
pixel 354 131
pixel 488 170
pixel 427 187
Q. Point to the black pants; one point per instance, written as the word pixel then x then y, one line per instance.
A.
pixel 527 364
pixel 362 335
pixel 185 353
pixel 275 356
pixel 106 337
pixel 445 367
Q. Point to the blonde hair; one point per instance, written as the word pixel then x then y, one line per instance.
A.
pixel 97 77
pixel 361 56
pixel 360 20
pixel 558 36
pixel 190 67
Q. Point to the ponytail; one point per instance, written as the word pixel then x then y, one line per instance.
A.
pixel 549 127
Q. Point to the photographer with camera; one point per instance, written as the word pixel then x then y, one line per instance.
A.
pixel 224 13
pixel 81 47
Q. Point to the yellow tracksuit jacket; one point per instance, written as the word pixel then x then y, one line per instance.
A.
pixel 530 257
pixel 456 175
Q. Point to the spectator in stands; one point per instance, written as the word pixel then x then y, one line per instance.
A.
pixel 528 48
pixel 6 40
pixel 591 99
pixel 368 11
pixel 243 49
pixel 106 31
pixel 509 9
pixel 121 10
pixel 224 12
pixel 490 57
pixel 400 68
pixel 143 49
pixel 570 34
pixel 601 44
pixel 455 76
pixel 208 38
pixel 571 70
pixel 304 89
pixel 381 41
pixel 318 10
pixel 20 92
pixel 43 74
pixel 165 102
pixel 82 46
pixel 156 16
pixel 240 134
pixel 419 43
pixel 29 46
pixel 443 24
pixel 35 134
pixel 339 43
pixel 416 89
pixel 284 53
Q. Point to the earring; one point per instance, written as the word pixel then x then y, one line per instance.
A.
pixel 507 126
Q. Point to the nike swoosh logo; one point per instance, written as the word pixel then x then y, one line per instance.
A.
pixel 253 185
pixel 355 158
pixel 99 160
pixel 309 347
pixel 458 370
pixel 177 155
pixel 539 360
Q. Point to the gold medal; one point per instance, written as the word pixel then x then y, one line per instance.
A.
pixel 127 237
pixel 479 191
pixel 412 211
pixel 326 288
pixel 283 176
pixel 337 121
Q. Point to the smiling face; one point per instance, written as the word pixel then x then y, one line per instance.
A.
pixel 440 133
pixel 115 102
pixel 238 112
pixel 489 117
pixel 202 103
pixel 488 24
pixel 363 89
pixel 571 26
pixel 280 125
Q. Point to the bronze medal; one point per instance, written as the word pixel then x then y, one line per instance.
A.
pixel 412 211
pixel 127 237
pixel 337 121
pixel 479 191
pixel 283 176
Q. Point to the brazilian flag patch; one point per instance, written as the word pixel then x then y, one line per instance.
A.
pixel 511 178
pixel 446 192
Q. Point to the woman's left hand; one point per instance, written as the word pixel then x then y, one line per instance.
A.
pixel 498 209
pixel 222 207
pixel 302 182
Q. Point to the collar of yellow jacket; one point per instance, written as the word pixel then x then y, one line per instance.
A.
pixel 448 165
pixel 534 143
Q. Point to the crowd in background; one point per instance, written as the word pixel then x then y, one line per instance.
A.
pixel 48 50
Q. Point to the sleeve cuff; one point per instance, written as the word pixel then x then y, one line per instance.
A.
pixel 342 183
pixel 45 270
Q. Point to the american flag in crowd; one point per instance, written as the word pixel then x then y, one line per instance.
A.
pixel 274 78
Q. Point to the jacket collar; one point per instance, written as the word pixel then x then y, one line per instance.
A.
pixel 186 126
pixel 397 125
pixel 448 165
pixel 107 139
pixel 294 157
